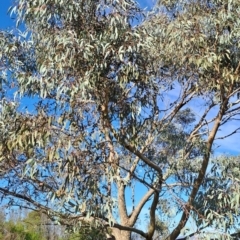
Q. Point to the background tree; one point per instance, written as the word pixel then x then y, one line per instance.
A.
pixel 112 92
pixel 17 225
pixel 13 228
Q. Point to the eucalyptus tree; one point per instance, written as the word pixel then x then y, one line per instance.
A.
pixel 98 121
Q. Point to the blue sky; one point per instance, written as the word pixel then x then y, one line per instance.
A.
pixel 5 21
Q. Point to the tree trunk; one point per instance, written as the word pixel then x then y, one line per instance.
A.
pixel 121 235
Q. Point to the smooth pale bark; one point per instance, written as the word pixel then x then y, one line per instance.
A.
pixel 121 235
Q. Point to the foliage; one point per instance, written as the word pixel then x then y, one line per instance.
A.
pixel 18 231
pixel 218 199
pixel 87 234
pixel 110 92
pixel 34 226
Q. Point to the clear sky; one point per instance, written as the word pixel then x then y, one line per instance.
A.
pixel 5 21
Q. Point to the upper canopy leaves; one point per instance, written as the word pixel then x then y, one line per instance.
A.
pixel 114 89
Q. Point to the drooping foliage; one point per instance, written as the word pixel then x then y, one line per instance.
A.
pixel 99 97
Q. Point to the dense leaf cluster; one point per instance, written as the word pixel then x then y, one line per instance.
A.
pixel 99 97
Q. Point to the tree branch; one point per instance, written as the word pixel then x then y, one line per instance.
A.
pixel 137 210
pixel 135 162
pixel 202 171
pixel 152 224
pixel 105 223
pixel 122 203
pixel 142 157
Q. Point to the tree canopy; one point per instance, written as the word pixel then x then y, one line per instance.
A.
pixel 108 109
